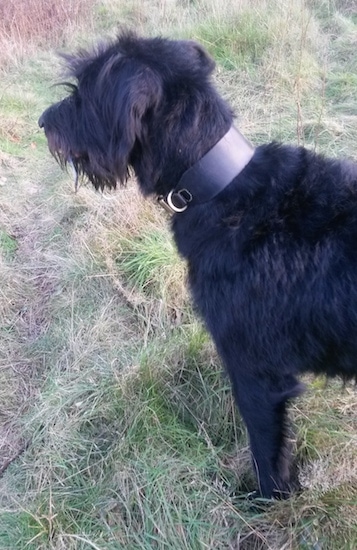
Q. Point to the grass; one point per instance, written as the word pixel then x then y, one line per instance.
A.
pixel 237 43
pixel 8 244
pixel 26 25
pixel 151 265
pixel 117 425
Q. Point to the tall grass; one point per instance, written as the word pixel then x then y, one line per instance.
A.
pixel 28 24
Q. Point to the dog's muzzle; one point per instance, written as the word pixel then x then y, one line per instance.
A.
pixel 42 119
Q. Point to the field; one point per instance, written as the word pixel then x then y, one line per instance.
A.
pixel 117 425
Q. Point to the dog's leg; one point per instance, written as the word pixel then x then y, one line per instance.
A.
pixel 262 403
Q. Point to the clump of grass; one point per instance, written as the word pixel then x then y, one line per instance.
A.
pixel 150 275
pixel 152 265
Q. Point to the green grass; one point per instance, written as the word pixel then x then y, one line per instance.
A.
pixel 235 44
pixel 8 244
pixel 152 265
pixel 117 425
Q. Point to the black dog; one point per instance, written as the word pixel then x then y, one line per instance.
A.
pixel 269 235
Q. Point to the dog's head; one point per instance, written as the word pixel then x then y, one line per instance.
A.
pixel 125 95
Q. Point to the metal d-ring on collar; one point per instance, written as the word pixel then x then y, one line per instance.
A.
pixel 211 174
pixel 176 201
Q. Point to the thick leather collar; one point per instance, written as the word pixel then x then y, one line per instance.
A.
pixel 211 174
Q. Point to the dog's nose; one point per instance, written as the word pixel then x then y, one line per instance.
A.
pixel 43 117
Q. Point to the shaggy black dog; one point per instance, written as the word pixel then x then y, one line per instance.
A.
pixel 269 234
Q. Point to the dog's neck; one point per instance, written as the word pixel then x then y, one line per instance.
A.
pixel 211 174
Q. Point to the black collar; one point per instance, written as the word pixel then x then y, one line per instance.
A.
pixel 211 174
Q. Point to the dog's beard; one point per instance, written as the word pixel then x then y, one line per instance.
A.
pixel 75 174
pixel 82 168
pixel 83 171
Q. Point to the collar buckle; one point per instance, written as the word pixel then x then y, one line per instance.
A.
pixel 176 201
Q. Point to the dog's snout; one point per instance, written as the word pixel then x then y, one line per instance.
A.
pixel 44 117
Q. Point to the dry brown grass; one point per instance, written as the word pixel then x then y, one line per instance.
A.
pixel 28 24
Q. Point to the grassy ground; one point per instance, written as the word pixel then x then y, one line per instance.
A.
pixel 117 427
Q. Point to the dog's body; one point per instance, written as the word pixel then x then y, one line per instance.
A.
pixel 272 257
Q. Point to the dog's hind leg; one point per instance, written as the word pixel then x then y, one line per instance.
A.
pixel 262 403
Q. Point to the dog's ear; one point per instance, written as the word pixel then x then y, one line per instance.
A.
pixel 137 94
pixel 202 57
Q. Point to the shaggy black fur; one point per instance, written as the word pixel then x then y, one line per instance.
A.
pixel 272 259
